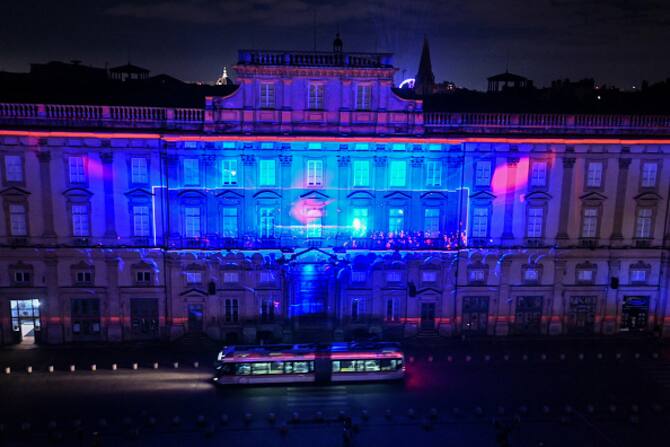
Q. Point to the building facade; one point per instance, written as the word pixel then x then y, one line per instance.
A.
pixel 315 201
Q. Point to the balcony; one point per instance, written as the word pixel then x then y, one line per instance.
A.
pixel 314 59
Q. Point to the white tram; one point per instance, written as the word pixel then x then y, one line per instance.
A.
pixel 309 363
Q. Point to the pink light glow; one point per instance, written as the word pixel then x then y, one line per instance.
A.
pixel 502 184
pixel 303 210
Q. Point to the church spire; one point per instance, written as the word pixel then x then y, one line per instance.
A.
pixel 425 79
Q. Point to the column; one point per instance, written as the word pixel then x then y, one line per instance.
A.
pixel 566 197
pixel 414 216
pixel 557 309
pixel 620 200
pixel 107 159
pixel 344 182
pixel 377 213
pixel 611 308
pixel 114 320
pixel 510 191
pixel 285 181
pixel 211 217
pixel 52 310
pixel 44 158
pixel 504 307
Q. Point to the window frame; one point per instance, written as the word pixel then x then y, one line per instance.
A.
pixel 314 172
pixel 230 172
pixel 316 93
pixel 436 175
pixel 265 100
pixel 394 178
pixel 263 177
pixel 21 169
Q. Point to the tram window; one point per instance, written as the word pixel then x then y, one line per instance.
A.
pixel 347 366
pixel 277 368
pixel 387 365
pixel 242 369
pixel 300 367
pixel 227 369
pixel 360 365
pixel 288 367
pixel 336 366
pixel 398 363
pixel 260 368
pixel 372 365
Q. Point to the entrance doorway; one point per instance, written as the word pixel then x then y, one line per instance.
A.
pixel 634 313
pixel 25 316
pixel 428 316
pixel 582 314
pixel 475 314
pixel 528 315
pixel 195 317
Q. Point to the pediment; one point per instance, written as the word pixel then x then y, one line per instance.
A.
pixel 482 195
pixel 191 193
pixel 139 192
pixel 14 191
pixel 648 196
pixel 267 194
pixel 435 195
pixel 193 292
pixel 314 195
pixel 229 194
pixel 594 195
pixel 77 192
pixel 428 291
pixel 538 195
pixel 397 195
pixel 360 195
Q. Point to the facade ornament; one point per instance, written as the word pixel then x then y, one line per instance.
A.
pixel 343 161
pixel 248 160
pixel 380 162
pixel 285 160
pixel 416 162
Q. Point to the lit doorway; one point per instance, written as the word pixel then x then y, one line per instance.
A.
pixel 25 320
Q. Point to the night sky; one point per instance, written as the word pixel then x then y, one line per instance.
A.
pixel 617 42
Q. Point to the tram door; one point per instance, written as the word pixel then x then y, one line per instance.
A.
pixel 25 316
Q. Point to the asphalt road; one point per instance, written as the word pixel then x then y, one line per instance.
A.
pixel 546 393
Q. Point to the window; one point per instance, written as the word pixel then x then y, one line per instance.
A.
pixel 232 310
pixel 480 222
pixel 357 308
pixel 590 222
pixel 594 174
pixel 191 171
pixel 477 275
pixel 85 314
pixel 359 276
pixel 22 277
pixel 483 173
pixel 267 310
pixel 398 173
pixel 229 172
pixel 266 224
pixel 231 277
pixel 531 275
pixel 267 173
pixel 429 276
pixel 535 222
pixel 17 220
pixel 141 226
pixel 143 277
pixel 391 310
pixel 649 172
pixel 396 220
pixel 361 172
pixel 76 170
pixel 267 95
pixel 643 223
pixel 316 92
pixel 83 277
pixel 193 278
pixel 538 173
pixel 138 171
pixel 13 168
pixel 80 226
pixel 363 97
pixel 314 172
pixel 393 276
pixel 585 275
pixel 267 277
pixel 229 222
pixel 192 222
pixel 359 222
pixel 431 222
pixel 314 222
pixel 433 173
pixel 638 275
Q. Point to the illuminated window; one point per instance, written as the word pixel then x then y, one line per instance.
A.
pixel 192 222
pixel 361 172
pixel 316 92
pixel 393 276
pixel 429 276
pixel 141 224
pixel 229 222
pixel 531 275
pixel 266 224
pixel 396 220
pixel 359 222
pixel 359 276
pixel 538 173
pixel 363 97
pixel 231 277
pixel 590 222
pixel 80 223
pixel 314 172
pixel 17 220
pixel 138 170
pixel 594 174
pixel 535 221
pixel 229 172
pixel 267 172
pixel 483 173
pixel 267 95
pixel 433 173
pixel 431 222
pixel 191 171
pixel 76 170
pixel 267 277
pixel 13 168
pixel 649 171
pixel 643 223
pixel 585 275
pixel 398 173
pixel 638 275
pixel 314 222
pixel 193 278
pixel 391 309
pixel 480 222
pixel 477 275
pixel 232 310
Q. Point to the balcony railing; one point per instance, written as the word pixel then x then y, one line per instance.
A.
pixel 315 59
pixel 444 122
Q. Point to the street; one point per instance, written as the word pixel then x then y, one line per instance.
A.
pixel 546 392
